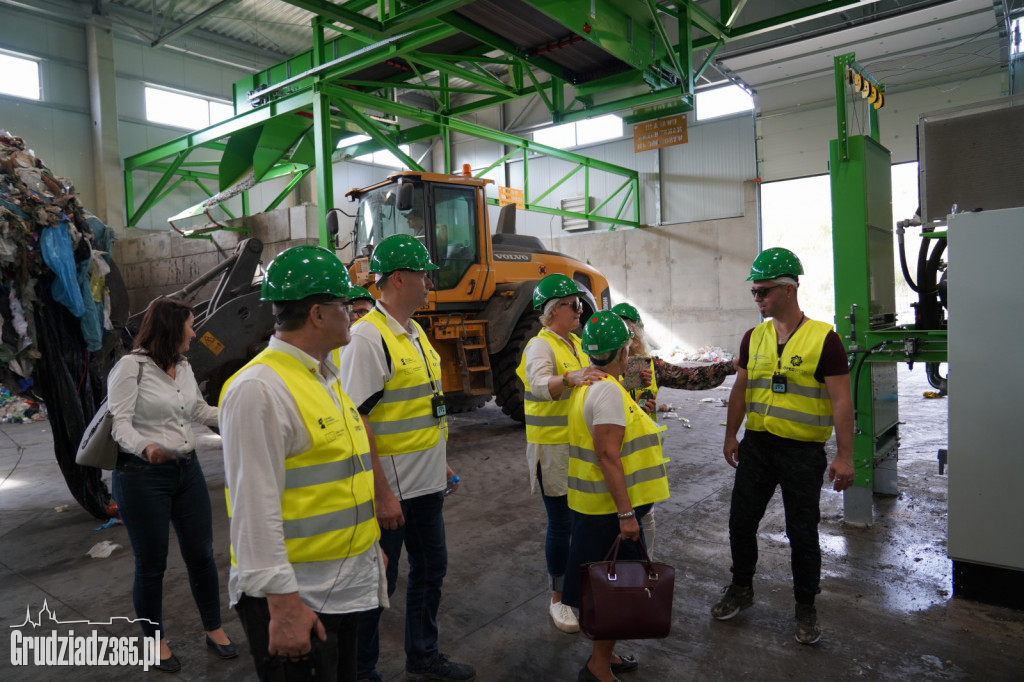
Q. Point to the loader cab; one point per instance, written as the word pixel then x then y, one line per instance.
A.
pixel 444 216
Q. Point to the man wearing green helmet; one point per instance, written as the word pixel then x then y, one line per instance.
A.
pixel 362 302
pixel 616 473
pixel 394 376
pixel 295 579
pixel 792 386
pixel 552 364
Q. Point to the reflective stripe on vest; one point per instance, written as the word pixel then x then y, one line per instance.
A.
pixel 643 462
pixel 403 420
pixel 327 504
pixel 804 411
pixel 547 421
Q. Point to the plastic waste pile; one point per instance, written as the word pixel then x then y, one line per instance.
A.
pixel 679 356
pixel 54 308
pixel 18 410
pixel 46 235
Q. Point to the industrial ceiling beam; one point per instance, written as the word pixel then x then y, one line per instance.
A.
pixel 192 23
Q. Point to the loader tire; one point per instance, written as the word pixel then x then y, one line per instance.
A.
pixel 508 388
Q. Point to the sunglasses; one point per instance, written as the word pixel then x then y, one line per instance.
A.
pixel 761 292
pixel 577 305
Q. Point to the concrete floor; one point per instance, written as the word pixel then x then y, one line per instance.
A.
pixel 886 606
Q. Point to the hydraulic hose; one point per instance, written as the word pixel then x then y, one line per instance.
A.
pixel 935 379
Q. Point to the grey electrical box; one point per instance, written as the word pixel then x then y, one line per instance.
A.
pixel 986 466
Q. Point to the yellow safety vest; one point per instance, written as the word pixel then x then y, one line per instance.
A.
pixel 327 505
pixel 642 460
pixel 547 421
pixel 403 420
pixel 804 411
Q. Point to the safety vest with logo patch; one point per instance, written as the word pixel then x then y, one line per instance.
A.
pixel 403 421
pixel 643 462
pixel 327 504
pixel 547 421
pixel 804 411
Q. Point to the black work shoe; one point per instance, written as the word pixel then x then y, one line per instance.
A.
pixel 587 676
pixel 807 630
pixel 734 599
pixel 627 665
pixel 442 669
pixel 168 665
pixel 225 651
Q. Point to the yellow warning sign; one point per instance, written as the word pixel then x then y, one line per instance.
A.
pixel 211 342
pixel 662 132
pixel 509 195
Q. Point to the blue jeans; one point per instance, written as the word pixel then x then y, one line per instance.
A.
pixel 559 533
pixel 423 537
pixel 151 497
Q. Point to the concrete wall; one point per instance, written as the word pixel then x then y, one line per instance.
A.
pixel 159 263
pixel 687 280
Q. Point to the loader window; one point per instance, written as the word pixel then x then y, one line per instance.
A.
pixel 456 246
pixel 378 216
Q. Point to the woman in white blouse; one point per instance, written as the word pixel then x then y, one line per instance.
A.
pixel 154 398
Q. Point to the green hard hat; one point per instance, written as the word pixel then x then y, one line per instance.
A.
pixel 400 252
pixel 554 286
pixel 302 271
pixel 627 311
pixel 604 332
pixel 775 262
pixel 355 293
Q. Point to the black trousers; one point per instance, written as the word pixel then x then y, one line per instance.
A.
pixel 330 660
pixel 763 466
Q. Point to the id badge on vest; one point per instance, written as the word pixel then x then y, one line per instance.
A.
pixel 439 405
pixel 778 383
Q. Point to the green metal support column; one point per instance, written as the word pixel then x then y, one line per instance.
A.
pixel 324 167
pixel 862 243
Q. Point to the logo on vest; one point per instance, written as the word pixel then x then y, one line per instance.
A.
pixel 327 422
pixel 796 361
pixel 355 419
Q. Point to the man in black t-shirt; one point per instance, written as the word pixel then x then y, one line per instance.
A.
pixel 792 386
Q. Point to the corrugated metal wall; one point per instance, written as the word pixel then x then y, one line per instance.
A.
pixel 794 142
pixel 703 179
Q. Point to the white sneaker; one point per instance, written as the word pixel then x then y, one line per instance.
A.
pixel 565 619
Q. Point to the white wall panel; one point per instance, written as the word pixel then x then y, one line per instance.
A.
pixel 794 141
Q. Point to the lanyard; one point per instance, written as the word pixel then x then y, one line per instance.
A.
pixel 778 352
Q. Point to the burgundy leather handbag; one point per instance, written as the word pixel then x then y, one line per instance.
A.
pixel 626 599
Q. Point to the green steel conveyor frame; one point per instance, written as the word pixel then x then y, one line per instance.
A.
pixel 862 241
pixel 289 117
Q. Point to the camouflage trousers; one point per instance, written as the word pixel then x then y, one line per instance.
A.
pixel 765 465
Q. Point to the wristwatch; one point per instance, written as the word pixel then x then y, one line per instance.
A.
pixel 565 379
pixel 628 515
